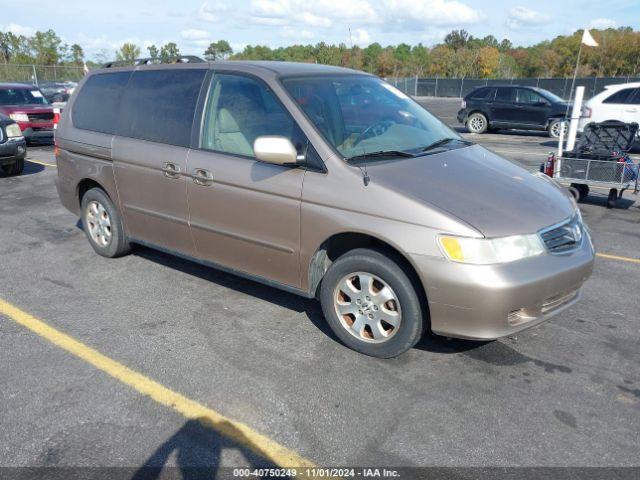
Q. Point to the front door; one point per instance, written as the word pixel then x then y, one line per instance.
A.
pixel 245 214
pixel 532 108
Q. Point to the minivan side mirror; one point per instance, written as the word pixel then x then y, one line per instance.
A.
pixel 275 149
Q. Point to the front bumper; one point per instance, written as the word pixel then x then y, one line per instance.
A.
pixel 12 151
pixel 462 116
pixel 485 302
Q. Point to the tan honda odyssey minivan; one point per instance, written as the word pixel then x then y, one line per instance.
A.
pixel 326 182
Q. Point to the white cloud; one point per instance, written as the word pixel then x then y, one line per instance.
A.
pixel 319 13
pixel 209 11
pixel 18 29
pixel 314 20
pixel 421 13
pixel 603 23
pixel 520 16
pixel 194 34
pixel 270 8
pixel 270 21
pixel 360 37
pixel 290 32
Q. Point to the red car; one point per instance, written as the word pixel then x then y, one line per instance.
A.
pixel 26 105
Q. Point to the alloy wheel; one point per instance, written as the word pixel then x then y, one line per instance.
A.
pixel 367 307
pixel 99 223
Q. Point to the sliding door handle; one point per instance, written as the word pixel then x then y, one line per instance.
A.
pixel 171 170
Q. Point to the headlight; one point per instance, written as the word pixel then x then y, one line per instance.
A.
pixel 485 251
pixel 19 117
pixel 13 131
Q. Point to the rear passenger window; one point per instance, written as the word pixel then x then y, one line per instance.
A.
pixel 159 105
pixel 482 94
pixel 96 107
pixel 620 96
pixel 505 94
pixel 241 109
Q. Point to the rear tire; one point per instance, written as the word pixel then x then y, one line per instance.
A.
pixel 15 168
pixel 358 313
pixel 103 225
pixel 477 123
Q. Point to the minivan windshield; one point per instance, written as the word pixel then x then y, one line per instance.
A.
pixel 362 115
pixel 21 96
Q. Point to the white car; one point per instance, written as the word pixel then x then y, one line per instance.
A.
pixel 616 102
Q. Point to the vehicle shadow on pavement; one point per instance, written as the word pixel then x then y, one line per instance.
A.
pixel 29 169
pixel 310 307
pixel 290 301
pixel 197 448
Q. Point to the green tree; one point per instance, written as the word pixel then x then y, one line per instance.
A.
pixel 218 51
pixel 153 51
pixel 170 50
pixel 128 52
pixel 457 39
pixel 46 46
pixel 77 54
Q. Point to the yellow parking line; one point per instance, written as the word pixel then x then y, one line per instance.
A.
pixel 41 163
pixel 617 257
pixel 236 431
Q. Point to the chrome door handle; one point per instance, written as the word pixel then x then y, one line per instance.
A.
pixel 202 177
pixel 171 170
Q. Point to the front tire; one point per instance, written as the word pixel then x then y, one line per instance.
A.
pixel 103 225
pixel 477 123
pixel 371 304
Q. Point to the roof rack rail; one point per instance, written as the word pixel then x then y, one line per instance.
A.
pixel 154 61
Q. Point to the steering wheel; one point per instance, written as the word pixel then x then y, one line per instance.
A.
pixel 374 130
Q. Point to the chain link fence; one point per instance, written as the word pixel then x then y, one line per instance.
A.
pixel 37 74
pixel 459 87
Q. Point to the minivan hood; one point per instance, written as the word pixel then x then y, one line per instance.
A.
pixel 479 187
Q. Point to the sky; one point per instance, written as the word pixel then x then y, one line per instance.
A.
pixel 100 27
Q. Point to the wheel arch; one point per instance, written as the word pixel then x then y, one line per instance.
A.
pixel 340 243
pixel 87 184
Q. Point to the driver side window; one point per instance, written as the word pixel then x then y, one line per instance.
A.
pixel 529 96
pixel 240 109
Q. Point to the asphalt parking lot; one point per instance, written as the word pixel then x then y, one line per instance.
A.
pixel 167 363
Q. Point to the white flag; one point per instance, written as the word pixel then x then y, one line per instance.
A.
pixel 588 40
pixel 85 69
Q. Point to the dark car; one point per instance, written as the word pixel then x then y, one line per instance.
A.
pixel 494 108
pixel 57 91
pixel 27 106
pixel 13 147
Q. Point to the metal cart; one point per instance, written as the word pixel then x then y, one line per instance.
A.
pixel 599 160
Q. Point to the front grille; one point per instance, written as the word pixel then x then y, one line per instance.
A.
pixel 564 237
pixel 40 116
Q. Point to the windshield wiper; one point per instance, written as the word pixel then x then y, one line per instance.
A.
pixel 443 141
pixel 381 154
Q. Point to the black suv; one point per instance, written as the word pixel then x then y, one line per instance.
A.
pixel 13 147
pixel 493 108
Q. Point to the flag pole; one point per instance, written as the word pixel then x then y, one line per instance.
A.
pixel 564 129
